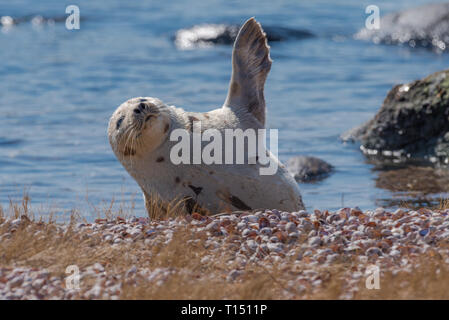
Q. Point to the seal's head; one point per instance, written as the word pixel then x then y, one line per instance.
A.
pixel 138 126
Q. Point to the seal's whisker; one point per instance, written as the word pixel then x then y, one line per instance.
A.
pixel 127 146
pixel 130 142
pixel 127 136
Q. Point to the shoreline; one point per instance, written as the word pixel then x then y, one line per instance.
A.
pixel 263 255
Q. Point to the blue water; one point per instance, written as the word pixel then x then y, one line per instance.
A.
pixel 58 89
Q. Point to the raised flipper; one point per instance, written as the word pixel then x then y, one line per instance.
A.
pixel 251 63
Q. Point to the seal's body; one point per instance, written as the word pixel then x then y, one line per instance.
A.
pixel 140 128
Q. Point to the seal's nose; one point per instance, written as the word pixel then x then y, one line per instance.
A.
pixel 140 108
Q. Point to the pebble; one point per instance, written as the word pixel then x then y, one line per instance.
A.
pixel 266 231
pixel 373 250
pixel 214 226
pixel 315 241
pixel 290 227
pixel 131 271
pixel 275 247
pixel 248 232
pixel 395 253
pixel 252 245
pixel 251 218
pixel 16 281
pixel 241 225
pixel 294 235
pixel 233 275
pixel 98 267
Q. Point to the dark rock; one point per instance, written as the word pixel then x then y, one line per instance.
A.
pixel 412 124
pixel 207 35
pixel 7 21
pixel 424 26
pixel 308 169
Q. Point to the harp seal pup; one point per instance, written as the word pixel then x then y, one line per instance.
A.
pixel 139 134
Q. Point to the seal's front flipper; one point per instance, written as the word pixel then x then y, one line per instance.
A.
pixel 251 63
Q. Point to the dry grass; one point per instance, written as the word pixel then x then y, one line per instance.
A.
pixel 444 204
pixel 38 244
pixel 158 210
pixel 428 280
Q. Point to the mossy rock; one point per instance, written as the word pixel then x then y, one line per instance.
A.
pixel 413 122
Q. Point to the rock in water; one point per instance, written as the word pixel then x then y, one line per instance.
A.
pixel 424 26
pixel 308 169
pixel 207 35
pixel 7 21
pixel 413 122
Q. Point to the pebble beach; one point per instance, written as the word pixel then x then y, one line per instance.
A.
pixel 295 254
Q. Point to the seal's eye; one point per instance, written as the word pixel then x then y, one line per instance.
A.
pixel 119 122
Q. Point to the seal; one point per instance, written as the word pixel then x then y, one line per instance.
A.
pixel 139 133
